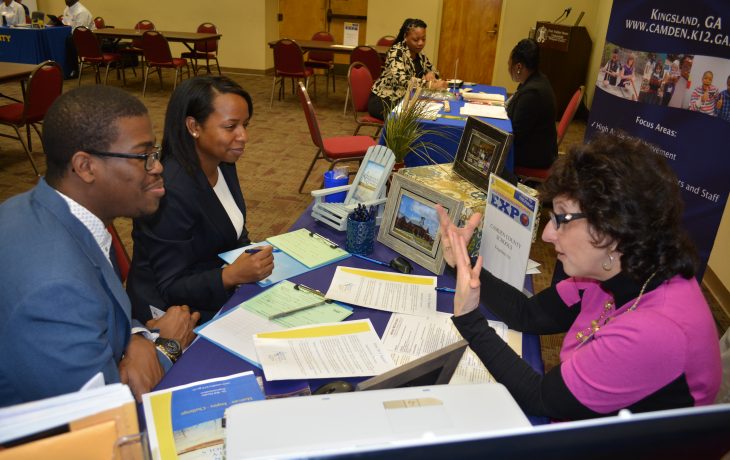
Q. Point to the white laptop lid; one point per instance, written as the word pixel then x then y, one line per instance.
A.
pixel 347 422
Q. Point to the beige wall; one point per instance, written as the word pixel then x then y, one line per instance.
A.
pixel 246 26
pixel 720 256
pixel 386 16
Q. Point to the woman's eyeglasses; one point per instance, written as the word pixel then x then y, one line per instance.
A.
pixel 558 219
pixel 150 159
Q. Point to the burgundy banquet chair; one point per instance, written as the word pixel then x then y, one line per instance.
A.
pixel 332 149
pixel 288 63
pixel 44 86
pixel 360 83
pixel 207 49
pixel 324 60
pixel 368 56
pixel 89 52
pixel 157 54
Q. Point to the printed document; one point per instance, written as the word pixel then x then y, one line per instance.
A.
pixel 509 219
pixel 285 266
pixel 337 350
pixel 186 421
pixel 309 247
pixel 481 110
pixel 409 337
pixel 234 329
pixel 388 291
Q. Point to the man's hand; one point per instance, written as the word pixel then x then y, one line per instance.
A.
pixel 445 227
pixel 249 268
pixel 140 368
pixel 177 323
pixel 466 298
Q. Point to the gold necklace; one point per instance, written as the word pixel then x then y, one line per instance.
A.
pixel 602 320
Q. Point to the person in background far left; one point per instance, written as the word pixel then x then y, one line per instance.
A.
pixel 12 13
pixel 75 14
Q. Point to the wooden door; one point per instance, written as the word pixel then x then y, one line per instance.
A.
pixel 469 33
pixel 301 20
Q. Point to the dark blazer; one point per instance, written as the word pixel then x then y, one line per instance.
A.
pixel 176 250
pixel 532 112
pixel 64 315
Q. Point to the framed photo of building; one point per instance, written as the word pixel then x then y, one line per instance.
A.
pixel 410 223
pixel 482 151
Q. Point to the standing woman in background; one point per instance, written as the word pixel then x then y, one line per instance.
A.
pixel 203 212
pixel 404 61
pixel 531 109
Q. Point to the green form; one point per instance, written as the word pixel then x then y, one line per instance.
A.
pixel 283 297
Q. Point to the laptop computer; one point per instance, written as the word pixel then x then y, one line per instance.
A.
pixel 54 20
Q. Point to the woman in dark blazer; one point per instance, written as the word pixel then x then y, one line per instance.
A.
pixel 531 109
pixel 203 212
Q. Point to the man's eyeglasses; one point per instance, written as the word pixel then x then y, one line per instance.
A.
pixel 558 219
pixel 150 159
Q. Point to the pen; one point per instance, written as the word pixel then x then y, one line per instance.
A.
pixel 371 260
pixel 259 249
pixel 301 287
pixel 317 235
pixel 445 289
pixel 298 309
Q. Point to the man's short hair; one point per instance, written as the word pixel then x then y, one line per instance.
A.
pixel 84 118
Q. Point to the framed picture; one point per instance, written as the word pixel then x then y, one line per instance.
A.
pixel 410 223
pixel 482 151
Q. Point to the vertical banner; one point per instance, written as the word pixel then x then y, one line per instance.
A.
pixel 664 78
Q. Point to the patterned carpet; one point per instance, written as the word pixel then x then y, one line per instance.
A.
pixel 277 156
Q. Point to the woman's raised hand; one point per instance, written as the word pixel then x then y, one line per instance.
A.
pixel 445 226
pixel 466 298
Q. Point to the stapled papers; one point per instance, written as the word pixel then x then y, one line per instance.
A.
pixel 394 292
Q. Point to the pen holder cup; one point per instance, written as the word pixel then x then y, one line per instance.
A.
pixel 360 236
pixel 329 182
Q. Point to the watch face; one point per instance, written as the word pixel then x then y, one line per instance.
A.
pixel 172 346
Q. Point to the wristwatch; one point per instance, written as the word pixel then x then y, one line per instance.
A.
pixel 169 347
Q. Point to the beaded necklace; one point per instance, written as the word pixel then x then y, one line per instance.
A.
pixel 584 335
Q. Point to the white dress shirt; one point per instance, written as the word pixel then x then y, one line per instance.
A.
pixel 14 13
pixel 77 15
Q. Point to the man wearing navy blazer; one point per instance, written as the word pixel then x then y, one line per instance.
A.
pixel 64 315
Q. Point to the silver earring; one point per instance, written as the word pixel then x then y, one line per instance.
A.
pixel 608 265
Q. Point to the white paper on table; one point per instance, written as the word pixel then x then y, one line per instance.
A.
pixel 509 218
pixel 409 337
pixel 234 331
pixel 532 267
pixel 387 291
pixel 430 110
pixel 481 110
pixel 469 95
pixel 334 350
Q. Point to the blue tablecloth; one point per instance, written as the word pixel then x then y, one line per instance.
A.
pixel 450 131
pixel 205 360
pixel 33 46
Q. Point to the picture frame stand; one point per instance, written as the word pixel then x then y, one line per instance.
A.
pixel 368 189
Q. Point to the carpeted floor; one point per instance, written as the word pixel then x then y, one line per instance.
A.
pixel 277 155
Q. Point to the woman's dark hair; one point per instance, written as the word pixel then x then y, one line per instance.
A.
pixel 527 53
pixel 409 24
pixel 194 98
pixel 631 196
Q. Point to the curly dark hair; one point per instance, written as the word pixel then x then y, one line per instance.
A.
pixel 631 196
pixel 84 118
pixel 194 98
pixel 409 24
pixel 527 53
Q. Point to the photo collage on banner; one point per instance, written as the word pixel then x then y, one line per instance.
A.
pixel 664 77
